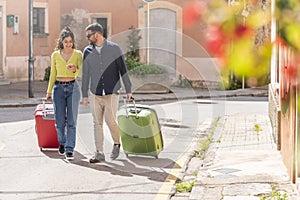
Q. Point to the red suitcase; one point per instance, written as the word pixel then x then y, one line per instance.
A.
pixel 45 126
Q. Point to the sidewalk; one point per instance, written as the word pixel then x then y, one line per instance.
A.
pixel 16 94
pixel 241 163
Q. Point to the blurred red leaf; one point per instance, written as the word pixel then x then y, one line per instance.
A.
pixel 215 41
pixel 254 1
pixel 243 31
pixel 192 12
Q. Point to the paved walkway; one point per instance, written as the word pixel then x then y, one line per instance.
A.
pixel 246 163
pixel 241 163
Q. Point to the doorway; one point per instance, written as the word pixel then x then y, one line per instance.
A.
pixel 165 34
pixel 1 41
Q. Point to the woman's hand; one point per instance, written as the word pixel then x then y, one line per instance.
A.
pixel 49 97
pixel 71 67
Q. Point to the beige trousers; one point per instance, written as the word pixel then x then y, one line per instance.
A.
pixel 105 107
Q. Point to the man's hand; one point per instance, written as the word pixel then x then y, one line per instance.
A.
pixel 85 101
pixel 129 97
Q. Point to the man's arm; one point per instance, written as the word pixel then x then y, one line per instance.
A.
pixel 124 72
pixel 85 78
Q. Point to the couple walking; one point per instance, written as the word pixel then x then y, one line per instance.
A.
pixel 101 66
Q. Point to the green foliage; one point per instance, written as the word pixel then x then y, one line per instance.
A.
pixel 287 13
pixel 133 44
pixel 257 128
pixel 287 5
pixel 240 40
pixel 146 69
pixel 47 73
pixel 204 144
pixel 184 186
pixel 183 82
pixel 275 195
pixel 133 63
pixel 203 147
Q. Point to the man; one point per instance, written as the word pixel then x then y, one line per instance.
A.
pixel 103 64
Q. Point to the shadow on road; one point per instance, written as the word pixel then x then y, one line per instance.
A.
pixel 153 169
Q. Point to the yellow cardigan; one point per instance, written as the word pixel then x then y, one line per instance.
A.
pixel 59 69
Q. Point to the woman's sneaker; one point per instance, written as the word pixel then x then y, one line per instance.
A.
pixel 69 156
pixel 61 150
pixel 115 152
pixel 98 157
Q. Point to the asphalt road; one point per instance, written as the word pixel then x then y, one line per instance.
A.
pixel 31 174
pixel 27 113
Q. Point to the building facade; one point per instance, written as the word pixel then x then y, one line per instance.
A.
pixel 163 31
pixel 284 109
pixel 14 37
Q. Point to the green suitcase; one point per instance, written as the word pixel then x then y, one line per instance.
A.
pixel 139 130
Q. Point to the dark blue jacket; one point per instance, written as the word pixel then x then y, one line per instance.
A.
pixel 102 71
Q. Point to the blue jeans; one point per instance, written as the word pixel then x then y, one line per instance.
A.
pixel 66 98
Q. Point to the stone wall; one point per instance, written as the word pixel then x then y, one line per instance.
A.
pixel 274 113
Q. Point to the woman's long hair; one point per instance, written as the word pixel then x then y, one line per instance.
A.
pixel 66 32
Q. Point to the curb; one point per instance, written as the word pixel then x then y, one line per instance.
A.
pixel 264 93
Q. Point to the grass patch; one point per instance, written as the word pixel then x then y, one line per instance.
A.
pixel 274 195
pixel 184 186
pixel 204 144
pixel 257 128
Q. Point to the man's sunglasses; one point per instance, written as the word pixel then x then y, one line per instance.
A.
pixel 89 35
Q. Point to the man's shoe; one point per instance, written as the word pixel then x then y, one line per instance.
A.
pixel 98 157
pixel 61 150
pixel 69 156
pixel 115 152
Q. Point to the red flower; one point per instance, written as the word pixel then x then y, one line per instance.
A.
pixel 242 31
pixel 280 40
pixel 254 1
pixel 192 12
pixel 292 73
pixel 215 41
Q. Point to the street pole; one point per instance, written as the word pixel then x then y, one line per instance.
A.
pixel 244 23
pixel 148 29
pixel 31 58
pixel 148 33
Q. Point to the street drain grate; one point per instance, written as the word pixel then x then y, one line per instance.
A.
pixel 174 125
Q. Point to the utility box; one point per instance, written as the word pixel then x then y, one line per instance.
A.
pixel 10 20
pixel 16 24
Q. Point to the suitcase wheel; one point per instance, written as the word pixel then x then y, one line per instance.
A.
pixel 41 149
pixel 156 157
pixel 126 154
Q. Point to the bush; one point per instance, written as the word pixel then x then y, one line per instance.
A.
pixel 47 73
pixel 133 63
pixel 146 69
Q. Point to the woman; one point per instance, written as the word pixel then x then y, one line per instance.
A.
pixel 65 91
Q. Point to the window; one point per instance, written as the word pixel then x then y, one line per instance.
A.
pixel 103 22
pixel 39 20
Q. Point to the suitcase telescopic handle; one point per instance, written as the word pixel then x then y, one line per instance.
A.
pixel 125 103
pixel 44 100
pixel 44 106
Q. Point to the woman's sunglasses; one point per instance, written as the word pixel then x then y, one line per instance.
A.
pixel 89 35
